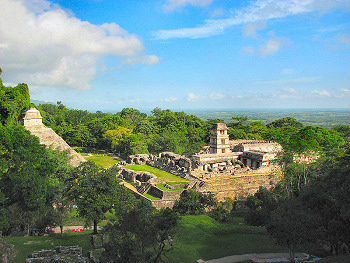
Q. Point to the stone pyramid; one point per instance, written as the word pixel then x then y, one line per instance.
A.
pixel 32 122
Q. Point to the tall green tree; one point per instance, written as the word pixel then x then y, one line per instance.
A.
pixel 13 103
pixel 194 203
pixel 27 172
pixel 141 234
pixel 94 191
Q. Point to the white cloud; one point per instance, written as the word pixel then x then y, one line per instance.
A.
pixel 268 47
pixel 44 45
pixel 217 96
pixel 249 30
pixel 218 12
pixel 259 10
pixel 171 5
pixel 343 93
pixel 272 46
pixel 344 40
pixel 171 99
pixel 286 93
pixel 323 93
pixel 192 97
pixel 147 60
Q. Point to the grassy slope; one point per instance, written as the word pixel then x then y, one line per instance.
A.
pixel 201 237
pixel 157 172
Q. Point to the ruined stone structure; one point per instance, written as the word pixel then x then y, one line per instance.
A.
pixel 8 251
pixel 219 139
pixel 225 168
pixel 58 254
pixel 32 122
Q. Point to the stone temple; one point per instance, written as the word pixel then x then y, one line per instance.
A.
pixel 225 168
pixel 32 122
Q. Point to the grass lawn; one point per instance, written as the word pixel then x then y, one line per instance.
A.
pixel 168 177
pixel 102 160
pixel 201 237
pixel 27 245
pixel 152 197
pixel 162 187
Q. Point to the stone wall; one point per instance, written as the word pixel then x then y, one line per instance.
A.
pixel 239 187
pixel 165 195
pixel 159 204
pixel 60 254
pixel 255 145
pixel 136 176
pixel 9 252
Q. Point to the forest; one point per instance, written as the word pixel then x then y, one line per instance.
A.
pixel 308 209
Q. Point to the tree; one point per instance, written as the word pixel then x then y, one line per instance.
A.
pixel 292 226
pixel 133 115
pixel 27 173
pixel 13 103
pixel 313 139
pixel 194 203
pixel 94 191
pixel 24 168
pixel 141 234
pixel 238 122
pixel 287 121
pixel 116 136
pixel 328 197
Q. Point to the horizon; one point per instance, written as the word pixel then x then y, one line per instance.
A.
pixel 179 54
pixel 189 111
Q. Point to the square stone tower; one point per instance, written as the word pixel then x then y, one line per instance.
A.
pixel 32 118
pixel 219 139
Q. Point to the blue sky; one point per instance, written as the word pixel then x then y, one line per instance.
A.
pixel 179 54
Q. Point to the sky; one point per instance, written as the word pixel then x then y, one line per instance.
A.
pixel 179 54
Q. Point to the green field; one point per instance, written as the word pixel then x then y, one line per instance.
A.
pixel 152 197
pixel 168 177
pixel 162 187
pixel 101 160
pixel 308 117
pixel 199 237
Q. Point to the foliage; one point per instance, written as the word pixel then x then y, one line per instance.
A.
pixel 141 234
pixel 13 103
pixel 93 191
pixel 28 173
pixel 220 214
pixel 310 205
pixel 284 122
pixel 194 203
pixel 292 227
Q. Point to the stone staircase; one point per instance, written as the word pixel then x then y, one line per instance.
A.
pixel 49 138
pixel 144 189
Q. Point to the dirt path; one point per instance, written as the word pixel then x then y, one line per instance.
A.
pixel 257 257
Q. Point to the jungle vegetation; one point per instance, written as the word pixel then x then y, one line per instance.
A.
pixel 309 208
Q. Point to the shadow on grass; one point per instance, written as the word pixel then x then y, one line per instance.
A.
pixel 201 237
